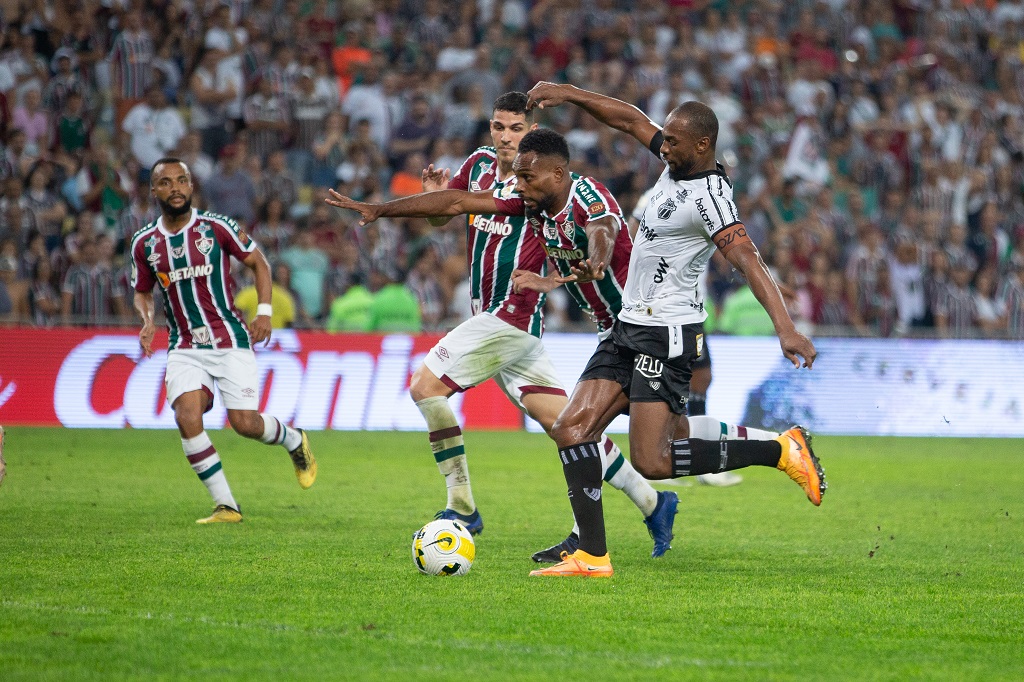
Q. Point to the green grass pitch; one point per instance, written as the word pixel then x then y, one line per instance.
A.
pixel 913 568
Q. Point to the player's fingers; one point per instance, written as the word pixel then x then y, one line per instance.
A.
pixel 563 280
pixel 792 357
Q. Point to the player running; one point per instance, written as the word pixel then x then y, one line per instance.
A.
pixel 575 217
pixel 188 252
pixel 502 339
pixel 645 365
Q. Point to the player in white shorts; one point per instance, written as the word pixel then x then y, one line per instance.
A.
pixel 188 253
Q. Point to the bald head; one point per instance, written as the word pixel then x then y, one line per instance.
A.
pixel 699 120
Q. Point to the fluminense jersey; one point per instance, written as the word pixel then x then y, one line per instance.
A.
pixel 193 269
pixel 497 245
pixel 673 246
pixel 564 237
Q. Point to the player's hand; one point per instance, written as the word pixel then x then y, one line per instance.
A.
pixel 583 272
pixel 370 212
pixel 796 346
pixel 525 280
pixel 146 338
pixel 434 180
pixel 260 330
pixel 545 94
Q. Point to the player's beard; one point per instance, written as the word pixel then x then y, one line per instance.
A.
pixel 175 212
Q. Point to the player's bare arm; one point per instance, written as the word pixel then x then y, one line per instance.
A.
pixel 612 112
pixel 435 180
pixel 527 280
pixel 601 235
pixel 143 303
pixel 449 202
pixel 261 326
pixel 735 245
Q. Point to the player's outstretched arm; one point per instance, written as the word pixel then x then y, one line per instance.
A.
pixel 435 180
pixel 143 302
pixel 449 202
pixel 527 280
pixel 261 326
pixel 608 110
pixel 737 248
pixel 601 235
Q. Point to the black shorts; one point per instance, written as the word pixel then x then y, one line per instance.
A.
pixel 652 364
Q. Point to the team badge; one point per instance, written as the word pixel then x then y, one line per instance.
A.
pixel 205 245
pixel 507 191
pixel 569 229
pixel 178 251
pixel 595 208
pixel 666 209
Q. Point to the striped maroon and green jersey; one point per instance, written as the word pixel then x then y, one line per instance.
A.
pixel 564 237
pixel 192 267
pixel 497 245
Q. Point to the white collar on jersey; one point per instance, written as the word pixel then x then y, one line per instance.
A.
pixel 167 233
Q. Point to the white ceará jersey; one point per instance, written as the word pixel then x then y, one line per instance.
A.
pixel 673 246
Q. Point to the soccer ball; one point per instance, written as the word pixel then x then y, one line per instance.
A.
pixel 443 547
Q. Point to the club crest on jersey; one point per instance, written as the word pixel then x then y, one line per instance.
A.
pixel 666 210
pixel 178 251
pixel 569 229
pixel 507 191
pixel 205 245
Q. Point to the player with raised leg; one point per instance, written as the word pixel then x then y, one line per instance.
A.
pixel 188 253
pixel 502 339
pixel 645 365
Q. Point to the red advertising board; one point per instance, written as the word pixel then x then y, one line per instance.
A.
pixel 98 378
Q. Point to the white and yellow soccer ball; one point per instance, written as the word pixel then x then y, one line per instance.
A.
pixel 443 547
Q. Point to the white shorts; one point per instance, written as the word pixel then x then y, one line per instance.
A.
pixel 233 370
pixel 483 347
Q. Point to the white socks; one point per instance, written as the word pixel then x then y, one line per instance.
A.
pixel 206 463
pixel 709 428
pixel 449 452
pixel 276 433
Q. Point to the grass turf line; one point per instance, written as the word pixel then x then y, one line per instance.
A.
pixel 910 569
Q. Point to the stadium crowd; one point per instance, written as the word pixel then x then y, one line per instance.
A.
pixel 876 147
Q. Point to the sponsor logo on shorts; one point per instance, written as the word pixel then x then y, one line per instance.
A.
pixel 700 344
pixel 248 392
pixel 442 352
pixel 648 366
pixel 655 385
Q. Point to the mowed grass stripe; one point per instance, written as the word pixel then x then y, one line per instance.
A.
pixel 910 569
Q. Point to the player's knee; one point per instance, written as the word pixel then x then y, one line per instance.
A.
pixel 189 418
pixel 246 423
pixel 569 430
pixel 425 385
pixel 651 468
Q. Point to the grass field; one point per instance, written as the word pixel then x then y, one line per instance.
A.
pixel 913 568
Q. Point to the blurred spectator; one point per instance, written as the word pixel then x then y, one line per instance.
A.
pixel 394 308
pixel 329 150
pixel 956 311
pixel 46 205
pixel 90 292
pixel 44 305
pixel 283 313
pixel 34 121
pixel 309 268
pixel 273 230
pixel 743 315
pixel 131 59
pixel 211 94
pixel 350 312
pixel 13 290
pixel 278 182
pixel 230 191
pixel 155 129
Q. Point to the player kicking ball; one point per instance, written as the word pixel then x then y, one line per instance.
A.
pixel 188 252
pixel 645 365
